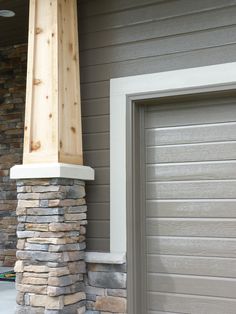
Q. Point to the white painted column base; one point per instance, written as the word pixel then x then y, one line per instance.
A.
pixel 52 170
pixel 105 258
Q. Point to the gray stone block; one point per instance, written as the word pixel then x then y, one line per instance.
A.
pixel 77 209
pixel 29 310
pixel 76 191
pixel 44 219
pixel 117 292
pixel 43 203
pixel 107 280
pixel 45 211
pixel 119 268
pixel 36 247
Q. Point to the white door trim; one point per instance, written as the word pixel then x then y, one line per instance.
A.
pixel 120 89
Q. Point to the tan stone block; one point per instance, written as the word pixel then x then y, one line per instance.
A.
pixel 37 275
pixel 20 244
pixel 28 196
pixel 73 256
pixel 70 202
pixel 43 189
pixel 74 298
pixel 38 240
pixel 55 241
pixel 9 261
pixel 37 227
pixel 20 298
pixel 82 310
pixel 19 267
pixel 63 280
pixel 57 272
pixel 75 217
pixel 111 313
pixel 57 227
pixel 54 303
pixel 111 304
pixel 27 203
pixel 34 281
pixel 10 252
pixel 71 240
pixel 81 238
pixel 36 268
pixel 54 203
pixel 82 230
pixel 38 300
pixel 52 235
pixel 21 211
pixel 36 182
pixel 32 288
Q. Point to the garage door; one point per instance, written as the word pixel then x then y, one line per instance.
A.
pixel 190 207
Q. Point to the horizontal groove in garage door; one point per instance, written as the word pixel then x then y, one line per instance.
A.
pixel 190 207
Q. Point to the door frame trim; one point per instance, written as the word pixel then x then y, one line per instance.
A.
pixel 193 80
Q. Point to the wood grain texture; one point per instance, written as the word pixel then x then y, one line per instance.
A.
pixel 53 118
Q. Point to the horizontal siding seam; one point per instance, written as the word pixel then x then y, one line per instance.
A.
pixel 160 37
pixel 212 9
pixel 194 295
pixel 162 19
pixel 146 58
pixel 135 6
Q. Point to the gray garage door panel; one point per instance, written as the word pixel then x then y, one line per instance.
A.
pixel 191 190
pixel 220 208
pixel 186 304
pixel 161 312
pixel 191 152
pixel 189 265
pixel 192 246
pixel 191 227
pixel 190 208
pixel 188 113
pixel 187 284
pixel 192 171
pixel 192 134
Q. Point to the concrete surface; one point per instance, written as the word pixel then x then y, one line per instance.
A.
pixel 7 295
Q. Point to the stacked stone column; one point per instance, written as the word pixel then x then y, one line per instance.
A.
pixel 50 263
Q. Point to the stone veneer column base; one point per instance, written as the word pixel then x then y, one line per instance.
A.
pixel 50 263
pixel 106 288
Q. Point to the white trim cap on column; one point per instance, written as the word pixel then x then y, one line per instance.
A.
pixel 52 170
